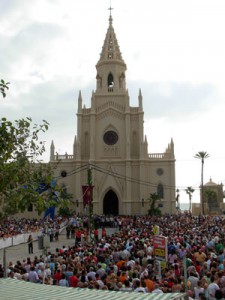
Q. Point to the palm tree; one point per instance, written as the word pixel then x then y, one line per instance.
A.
pixel 189 190
pixel 154 197
pixel 202 155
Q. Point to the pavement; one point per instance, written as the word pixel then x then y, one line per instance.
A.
pixel 20 252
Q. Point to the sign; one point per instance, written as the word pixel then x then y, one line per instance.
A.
pixel 160 248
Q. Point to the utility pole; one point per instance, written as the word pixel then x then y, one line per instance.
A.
pixel 90 204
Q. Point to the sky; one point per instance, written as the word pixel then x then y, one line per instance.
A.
pixel 174 51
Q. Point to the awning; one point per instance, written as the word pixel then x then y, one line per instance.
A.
pixel 11 289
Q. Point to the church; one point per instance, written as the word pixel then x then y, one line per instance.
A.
pixel 110 144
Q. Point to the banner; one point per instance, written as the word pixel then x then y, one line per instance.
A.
pixel 160 247
pixel 87 194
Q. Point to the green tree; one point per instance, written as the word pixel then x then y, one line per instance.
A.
pixel 3 87
pixel 202 155
pixel 211 198
pixel 21 173
pixel 189 190
pixel 154 197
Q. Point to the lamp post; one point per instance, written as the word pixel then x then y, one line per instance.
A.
pixel 177 199
pixel 142 202
pixel 4 263
pixel 77 202
pixel 90 205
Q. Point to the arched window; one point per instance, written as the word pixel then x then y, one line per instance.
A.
pixel 30 207
pixel 160 190
pixel 110 80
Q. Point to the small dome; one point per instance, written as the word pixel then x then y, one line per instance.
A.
pixel 210 183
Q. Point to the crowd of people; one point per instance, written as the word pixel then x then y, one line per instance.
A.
pixel 125 261
pixel 13 226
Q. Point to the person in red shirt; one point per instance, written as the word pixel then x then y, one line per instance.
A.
pixel 78 237
pixel 73 280
pixel 58 275
pixel 96 235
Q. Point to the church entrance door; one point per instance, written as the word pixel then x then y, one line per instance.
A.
pixel 110 204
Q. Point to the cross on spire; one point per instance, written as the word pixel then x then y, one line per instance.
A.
pixel 110 9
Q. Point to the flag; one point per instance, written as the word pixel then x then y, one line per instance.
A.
pixel 87 194
pixel 49 212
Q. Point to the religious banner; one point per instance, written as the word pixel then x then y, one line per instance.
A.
pixel 87 194
pixel 160 247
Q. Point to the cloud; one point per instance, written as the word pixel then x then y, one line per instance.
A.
pixel 174 99
pixel 49 50
pixel 31 44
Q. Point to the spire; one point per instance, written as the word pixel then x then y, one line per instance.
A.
pixel 52 151
pixel 110 49
pixel 74 146
pixel 111 67
pixel 80 102
pixel 172 146
pixel 140 99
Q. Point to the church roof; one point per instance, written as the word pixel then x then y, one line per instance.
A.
pixel 110 49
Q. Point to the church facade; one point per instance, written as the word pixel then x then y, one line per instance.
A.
pixel 110 142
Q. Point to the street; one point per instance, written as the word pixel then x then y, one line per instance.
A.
pixel 20 252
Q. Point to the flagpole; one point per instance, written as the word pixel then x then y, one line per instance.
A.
pixel 90 204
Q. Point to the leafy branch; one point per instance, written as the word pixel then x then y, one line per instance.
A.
pixel 3 87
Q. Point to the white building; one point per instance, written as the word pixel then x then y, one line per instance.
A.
pixel 110 138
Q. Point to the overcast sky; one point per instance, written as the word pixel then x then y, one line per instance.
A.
pixel 174 51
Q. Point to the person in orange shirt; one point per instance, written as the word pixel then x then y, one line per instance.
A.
pixel 200 256
pixel 150 285
pixel 103 232
pixel 122 277
pixel 120 263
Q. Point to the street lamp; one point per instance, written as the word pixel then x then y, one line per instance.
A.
pixel 142 202
pixel 177 199
pixel 77 202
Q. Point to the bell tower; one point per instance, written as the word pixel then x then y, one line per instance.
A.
pixel 111 67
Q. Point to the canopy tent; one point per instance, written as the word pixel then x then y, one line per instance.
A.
pixel 21 290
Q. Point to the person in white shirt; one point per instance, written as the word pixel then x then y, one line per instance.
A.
pixel 212 288
pixel 139 288
pixel 33 276
pixel 198 290
pixel 63 281
pixel 99 281
pixel 157 290
pixel 91 273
